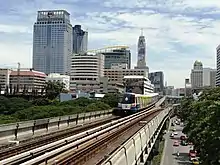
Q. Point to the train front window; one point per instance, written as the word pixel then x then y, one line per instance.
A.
pixel 128 99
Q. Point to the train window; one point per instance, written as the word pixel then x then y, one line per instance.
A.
pixel 128 99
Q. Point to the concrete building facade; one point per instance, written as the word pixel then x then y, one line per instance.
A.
pixel 29 80
pixel 4 79
pixel 86 71
pixel 52 42
pixel 118 74
pixel 65 79
pixel 209 76
pixel 197 75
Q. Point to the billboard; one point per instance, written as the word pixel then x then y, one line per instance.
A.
pixel 134 86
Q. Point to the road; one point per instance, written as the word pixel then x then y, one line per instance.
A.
pixel 169 154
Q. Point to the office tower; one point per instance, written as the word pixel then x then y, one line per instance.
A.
pixel 117 55
pixel 141 54
pixel 157 79
pixel 197 75
pixel 218 66
pixel 52 42
pixel 188 89
pixel 209 76
pixel 80 40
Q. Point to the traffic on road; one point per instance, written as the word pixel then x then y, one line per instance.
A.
pixel 178 150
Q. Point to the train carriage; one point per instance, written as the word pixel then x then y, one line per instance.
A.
pixel 132 103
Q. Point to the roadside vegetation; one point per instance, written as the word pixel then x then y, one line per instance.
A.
pixel 18 109
pixel 202 118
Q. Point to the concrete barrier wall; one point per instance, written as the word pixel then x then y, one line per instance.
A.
pixel 130 152
pixel 47 123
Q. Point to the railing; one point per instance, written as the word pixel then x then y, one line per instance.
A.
pixel 55 122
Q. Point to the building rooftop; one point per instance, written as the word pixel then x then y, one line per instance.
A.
pixel 197 63
pixel 28 73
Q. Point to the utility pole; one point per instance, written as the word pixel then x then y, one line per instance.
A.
pixel 18 77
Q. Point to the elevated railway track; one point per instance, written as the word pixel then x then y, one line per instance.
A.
pixel 82 145
pixel 49 138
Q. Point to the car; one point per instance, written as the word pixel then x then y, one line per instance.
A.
pixel 195 161
pixel 171 135
pixel 182 137
pixel 192 152
pixel 174 129
pixel 175 133
pixel 176 143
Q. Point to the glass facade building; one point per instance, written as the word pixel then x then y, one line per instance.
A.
pixel 80 40
pixel 52 42
pixel 218 66
pixel 157 79
pixel 122 56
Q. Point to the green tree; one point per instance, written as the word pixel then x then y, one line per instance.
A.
pixel 202 119
pixel 53 89
pixel 111 99
pixel 4 104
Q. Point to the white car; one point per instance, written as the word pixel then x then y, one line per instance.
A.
pixel 175 133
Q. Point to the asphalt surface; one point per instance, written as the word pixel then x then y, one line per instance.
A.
pixel 170 152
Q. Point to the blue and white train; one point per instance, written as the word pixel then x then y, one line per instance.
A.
pixel 132 103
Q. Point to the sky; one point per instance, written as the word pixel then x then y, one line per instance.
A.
pixel 177 32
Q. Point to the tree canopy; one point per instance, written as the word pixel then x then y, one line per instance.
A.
pixel 53 89
pixel 202 118
pixel 19 109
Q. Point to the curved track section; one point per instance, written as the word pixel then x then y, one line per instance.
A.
pixel 52 150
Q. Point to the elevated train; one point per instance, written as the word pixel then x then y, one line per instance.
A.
pixel 133 103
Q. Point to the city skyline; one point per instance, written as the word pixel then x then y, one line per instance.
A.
pixel 177 33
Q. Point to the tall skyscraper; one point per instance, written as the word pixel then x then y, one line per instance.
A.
pixel 218 66
pixel 52 42
pixel 209 76
pixel 80 40
pixel 197 75
pixel 157 78
pixel 141 54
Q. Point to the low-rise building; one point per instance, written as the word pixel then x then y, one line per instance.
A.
pixel 27 81
pixel 65 79
pixel 138 84
pixel 4 79
pixel 117 74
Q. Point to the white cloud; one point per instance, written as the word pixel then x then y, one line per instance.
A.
pixel 164 34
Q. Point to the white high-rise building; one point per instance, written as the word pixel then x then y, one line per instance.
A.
pixel 86 71
pixel 197 75
pixel 209 76
pixel 52 42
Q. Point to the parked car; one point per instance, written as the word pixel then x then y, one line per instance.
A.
pixel 182 137
pixel 176 143
pixel 171 135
